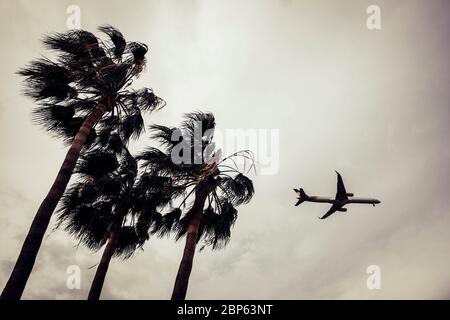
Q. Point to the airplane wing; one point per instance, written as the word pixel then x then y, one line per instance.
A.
pixel 332 210
pixel 341 193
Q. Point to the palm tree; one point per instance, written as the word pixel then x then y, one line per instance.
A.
pixel 110 205
pixel 87 85
pixel 216 185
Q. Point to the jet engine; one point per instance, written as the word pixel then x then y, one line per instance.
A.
pixel 349 194
pixel 342 209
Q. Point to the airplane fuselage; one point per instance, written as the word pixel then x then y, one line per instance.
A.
pixel 342 202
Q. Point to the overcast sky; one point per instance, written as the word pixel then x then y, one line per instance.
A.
pixel 372 104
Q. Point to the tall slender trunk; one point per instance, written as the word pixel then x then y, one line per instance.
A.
pixel 184 271
pixel 102 269
pixel 25 262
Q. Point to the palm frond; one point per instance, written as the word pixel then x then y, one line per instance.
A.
pixel 207 224
pixel 115 144
pixel 53 117
pixel 222 225
pixel 167 222
pixel 59 121
pixel 131 126
pixel 51 91
pixel 181 226
pixel 199 122
pixel 44 70
pixel 116 38
pixel 97 163
pixel 238 190
pixel 82 106
pixel 129 241
pixel 112 78
pixel 148 101
pixel 77 43
pixel 165 135
pixel 155 160
pixel 138 50
pixel 88 223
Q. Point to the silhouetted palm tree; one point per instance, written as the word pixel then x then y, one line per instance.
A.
pixel 87 85
pixel 110 205
pixel 217 186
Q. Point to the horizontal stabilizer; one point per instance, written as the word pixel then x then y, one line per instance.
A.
pixel 302 196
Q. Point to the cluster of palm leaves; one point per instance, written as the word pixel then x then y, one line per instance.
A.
pixel 216 185
pixel 117 200
pixel 110 204
pixel 86 74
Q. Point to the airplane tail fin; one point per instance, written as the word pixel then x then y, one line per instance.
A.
pixel 302 196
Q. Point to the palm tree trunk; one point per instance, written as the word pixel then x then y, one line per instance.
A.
pixel 184 271
pixel 25 262
pixel 102 269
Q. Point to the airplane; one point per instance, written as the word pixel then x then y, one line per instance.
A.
pixel 341 199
